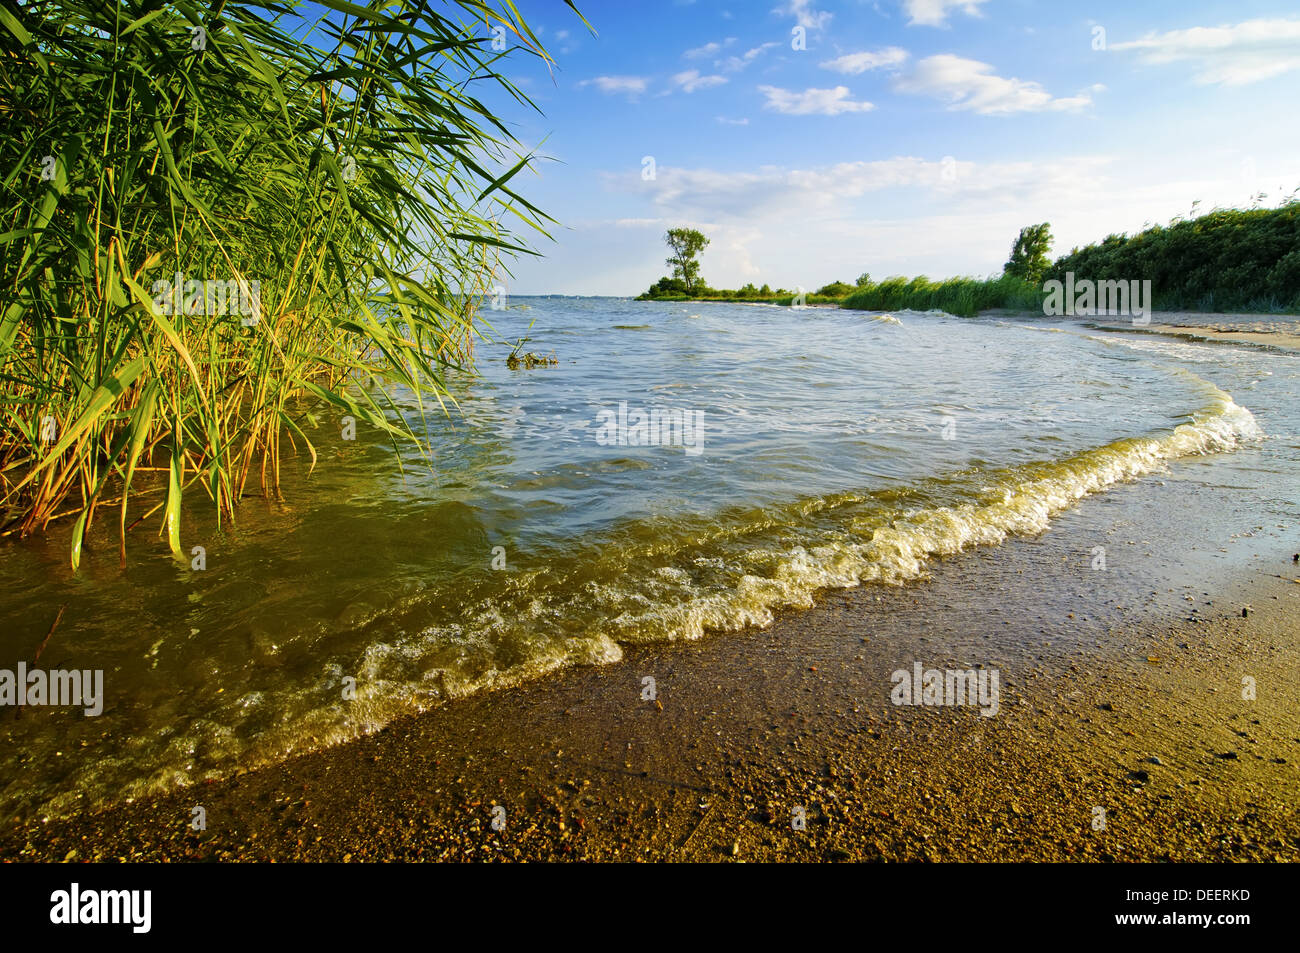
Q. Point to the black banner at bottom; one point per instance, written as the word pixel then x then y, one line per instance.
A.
pixel 143 903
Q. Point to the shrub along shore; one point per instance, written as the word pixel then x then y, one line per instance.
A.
pixel 1225 260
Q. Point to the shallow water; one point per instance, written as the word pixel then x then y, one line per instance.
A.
pixel 835 449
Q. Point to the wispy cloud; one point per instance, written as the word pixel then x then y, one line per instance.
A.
pixel 812 102
pixel 935 12
pixel 632 85
pixel 691 80
pixel 771 191
pixel 708 49
pixel 734 64
pixel 733 122
pixel 804 14
pixel 855 63
pixel 1251 51
pixel 970 84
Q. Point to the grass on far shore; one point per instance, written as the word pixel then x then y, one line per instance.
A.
pixel 784 301
pixel 964 297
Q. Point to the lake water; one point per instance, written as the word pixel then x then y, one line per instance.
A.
pixel 826 448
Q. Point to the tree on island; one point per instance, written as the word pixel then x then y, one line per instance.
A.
pixel 1029 254
pixel 666 287
pixel 685 244
pixel 836 289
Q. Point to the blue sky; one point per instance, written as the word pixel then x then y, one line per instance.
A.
pixel 907 137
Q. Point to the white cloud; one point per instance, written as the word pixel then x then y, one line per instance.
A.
pixel 1228 55
pixel 734 64
pixel 632 85
pixel 691 80
pixel 708 49
pixel 935 12
pixel 970 84
pixel 855 63
pixel 804 15
pixel 771 192
pixel 733 122
pixel 904 215
pixel 812 102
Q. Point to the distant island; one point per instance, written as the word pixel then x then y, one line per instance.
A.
pixel 1223 260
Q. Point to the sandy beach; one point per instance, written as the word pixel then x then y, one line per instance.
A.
pixel 1121 702
pixel 1281 331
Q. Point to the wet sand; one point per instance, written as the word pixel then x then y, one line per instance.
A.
pixel 1248 334
pixel 1266 330
pixel 1121 690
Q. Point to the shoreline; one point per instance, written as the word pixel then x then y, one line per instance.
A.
pixel 751 725
pixel 1271 329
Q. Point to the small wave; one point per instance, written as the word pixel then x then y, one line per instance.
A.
pixel 679 581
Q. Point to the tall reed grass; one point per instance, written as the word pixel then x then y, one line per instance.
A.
pixel 964 297
pixel 339 155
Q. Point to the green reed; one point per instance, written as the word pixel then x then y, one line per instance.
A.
pixel 964 297
pixel 344 165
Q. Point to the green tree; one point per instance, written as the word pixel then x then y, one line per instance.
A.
pixel 685 245
pixel 1029 254
pixel 864 279
pixel 666 287
pixel 836 289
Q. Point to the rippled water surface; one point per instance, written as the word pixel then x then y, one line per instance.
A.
pixel 836 448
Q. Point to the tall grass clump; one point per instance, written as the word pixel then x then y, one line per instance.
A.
pixel 332 163
pixel 964 297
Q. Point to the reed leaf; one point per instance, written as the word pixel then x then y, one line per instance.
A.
pixel 322 165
